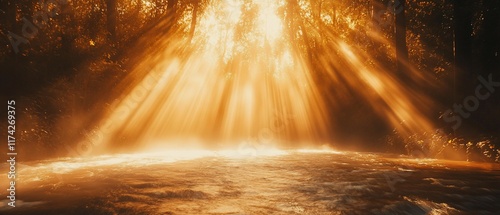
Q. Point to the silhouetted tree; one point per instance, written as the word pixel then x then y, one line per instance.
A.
pixel 111 19
pixel 297 23
pixel 194 16
pixel 487 119
pixel 172 9
pixel 490 58
pixel 462 15
pixel 401 47
pixel 377 13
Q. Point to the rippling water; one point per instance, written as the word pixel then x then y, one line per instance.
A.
pixel 293 182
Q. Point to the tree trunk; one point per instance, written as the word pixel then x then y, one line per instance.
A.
pixel 378 23
pixel 401 47
pixel 193 20
pixel 462 14
pixel 297 21
pixel 490 55
pixel 172 9
pixel 171 14
pixel 377 15
pixel 111 19
pixel 490 64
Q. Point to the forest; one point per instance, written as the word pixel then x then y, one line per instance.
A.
pixel 390 76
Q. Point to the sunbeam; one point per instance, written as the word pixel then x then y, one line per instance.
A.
pixel 243 75
pixel 235 84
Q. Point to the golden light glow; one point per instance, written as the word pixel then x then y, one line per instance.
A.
pixel 244 76
pixel 147 5
pixel 269 24
pixel 238 84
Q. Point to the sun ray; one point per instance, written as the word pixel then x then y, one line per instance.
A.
pixel 229 89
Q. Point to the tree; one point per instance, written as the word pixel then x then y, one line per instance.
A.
pixel 194 16
pixel 111 19
pixel 491 32
pixel 172 9
pixel 377 12
pixel 462 15
pixel 296 24
pixel 490 64
pixel 401 47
